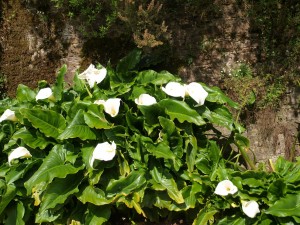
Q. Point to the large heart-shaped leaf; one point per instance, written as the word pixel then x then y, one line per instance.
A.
pixel 181 111
pixel 48 122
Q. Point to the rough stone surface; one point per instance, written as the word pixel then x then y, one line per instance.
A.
pixel 34 48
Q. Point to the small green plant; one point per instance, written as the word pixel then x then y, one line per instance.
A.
pixel 122 145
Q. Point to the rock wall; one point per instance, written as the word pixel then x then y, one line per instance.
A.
pixel 34 46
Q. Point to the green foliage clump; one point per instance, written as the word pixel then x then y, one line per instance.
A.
pixel 169 156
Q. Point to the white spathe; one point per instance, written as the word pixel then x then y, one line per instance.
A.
pixel 20 152
pixel 225 188
pixel 44 93
pixel 8 115
pixel 104 151
pixel 145 99
pixel 250 208
pixel 111 105
pixel 93 75
pixel 196 92
pixel 174 89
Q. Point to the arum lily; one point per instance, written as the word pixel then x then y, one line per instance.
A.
pixel 44 93
pixel 225 187
pixel 250 208
pixel 19 152
pixel 104 151
pixel 93 75
pixel 111 106
pixel 8 115
pixel 174 89
pixel 196 92
pixel 145 99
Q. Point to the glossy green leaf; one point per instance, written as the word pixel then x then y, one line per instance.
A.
pixel 48 122
pixel 15 214
pixel 235 220
pixel 204 216
pixel 7 196
pixel 93 195
pixel 191 152
pixel 167 181
pixel 58 87
pixel 160 150
pixel 97 214
pixel 221 116
pixel 151 76
pixel 25 94
pixel 181 111
pixel 95 118
pixel 126 185
pixel 287 206
pixel 31 138
pixel 129 62
pixel 216 95
pixel 78 129
pixel 53 166
pixel 59 191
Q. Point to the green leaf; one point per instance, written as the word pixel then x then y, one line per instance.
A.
pixel 78 84
pixel 164 178
pixel 95 118
pixel 216 95
pixel 191 152
pixel 204 216
pixel 287 206
pixel 7 197
pixel 15 214
pixel 59 191
pixel 58 87
pixel 126 185
pixel 234 220
pixel 25 94
pixel 97 215
pixel 78 129
pixel 93 195
pixel 48 122
pixel 151 76
pixel 181 111
pixel 53 166
pixel 129 62
pixel 160 150
pixel 221 116
pixel 31 138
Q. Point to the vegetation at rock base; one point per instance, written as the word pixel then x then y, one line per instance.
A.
pixel 162 156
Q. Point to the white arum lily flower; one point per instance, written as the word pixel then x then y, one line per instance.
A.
pixel 145 99
pixel 196 92
pixel 44 93
pixel 19 152
pixel 104 151
pixel 250 208
pixel 225 187
pixel 174 89
pixel 111 106
pixel 8 115
pixel 93 75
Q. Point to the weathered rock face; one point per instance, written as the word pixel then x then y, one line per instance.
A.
pixel 34 46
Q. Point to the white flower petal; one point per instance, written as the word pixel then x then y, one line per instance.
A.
pixel 44 93
pixel 111 106
pixel 104 151
pixel 174 89
pixel 196 92
pixel 93 75
pixel 145 99
pixel 250 208
pixel 19 152
pixel 8 115
pixel 225 187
